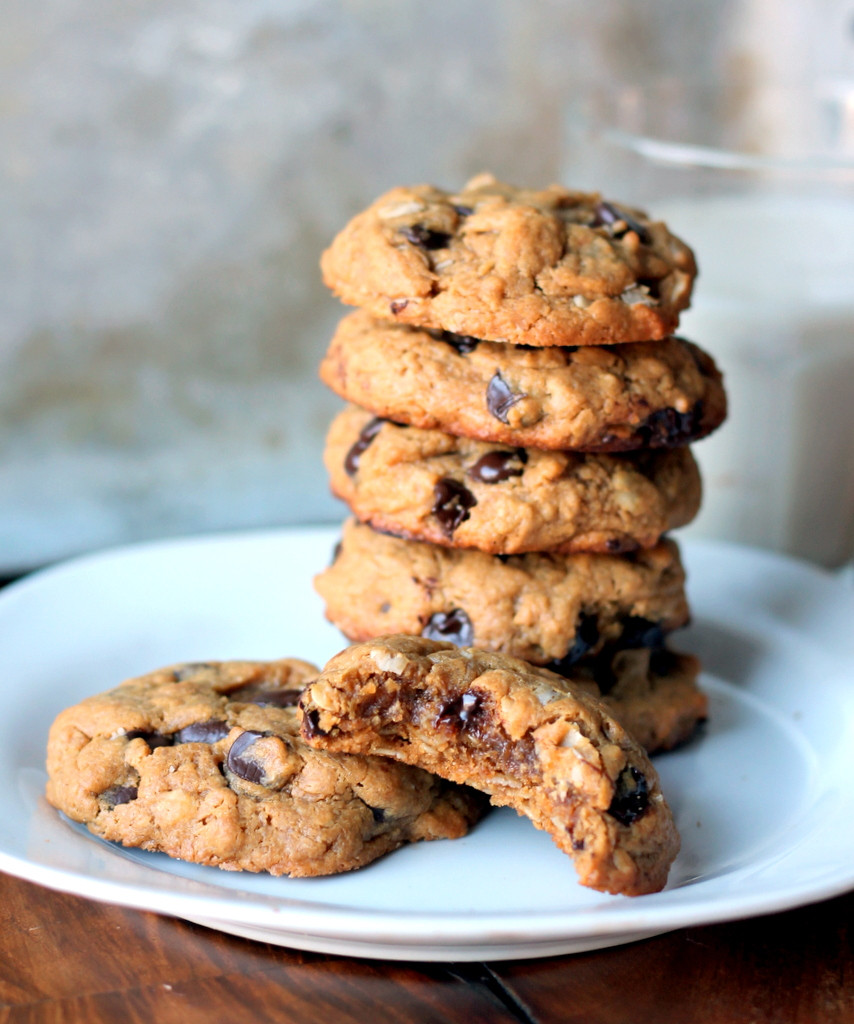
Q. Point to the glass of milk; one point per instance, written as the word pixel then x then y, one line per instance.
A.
pixel 760 183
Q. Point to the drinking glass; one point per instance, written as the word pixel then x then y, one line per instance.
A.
pixel 760 182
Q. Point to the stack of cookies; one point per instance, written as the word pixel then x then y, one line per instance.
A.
pixel 517 441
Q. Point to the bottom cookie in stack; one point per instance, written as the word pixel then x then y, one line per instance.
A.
pixel 601 619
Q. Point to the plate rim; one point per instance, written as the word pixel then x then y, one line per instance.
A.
pixel 325 921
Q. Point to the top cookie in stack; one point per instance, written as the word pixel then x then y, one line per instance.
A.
pixel 518 430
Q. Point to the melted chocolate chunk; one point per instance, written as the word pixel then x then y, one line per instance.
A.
pixel 631 796
pixel 668 428
pixel 494 467
pixel 586 636
pixel 398 305
pixel 311 723
pixel 451 503
pixel 367 434
pixel 202 732
pixel 116 795
pixel 424 237
pixel 240 761
pixel 153 739
pixel 454 626
pixel 640 632
pixel 460 712
pixel 608 215
pixel 500 399
pixel 265 696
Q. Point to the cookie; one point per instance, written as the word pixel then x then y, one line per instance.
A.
pixel 437 487
pixel 548 609
pixel 204 762
pixel 652 692
pixel 528 738
pixel 548 267
pixel 593 398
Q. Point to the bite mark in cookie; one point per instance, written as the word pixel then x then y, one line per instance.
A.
pixel 528 738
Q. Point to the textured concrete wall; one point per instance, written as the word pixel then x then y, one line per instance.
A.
pixel 169 174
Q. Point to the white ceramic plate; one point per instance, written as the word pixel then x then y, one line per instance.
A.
pixel 763 800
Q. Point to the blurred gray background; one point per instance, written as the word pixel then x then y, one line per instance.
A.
pixel 172 171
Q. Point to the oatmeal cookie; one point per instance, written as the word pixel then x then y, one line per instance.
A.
pixel 548 609
pixel 593 398
pixel 204 762
pixel 547 267
pixel 437 487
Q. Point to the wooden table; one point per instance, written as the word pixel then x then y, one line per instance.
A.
pixel 64 959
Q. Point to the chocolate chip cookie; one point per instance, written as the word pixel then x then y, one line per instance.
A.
pixel 528 738
pixel 593 398
pixel 450 490
pixel 653 692
pixel 205 763
pixel 531 267
pixel 548 609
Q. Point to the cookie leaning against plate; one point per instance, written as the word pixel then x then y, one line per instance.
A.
pixel 437 487
pixel 204 762
pixel 548 609
pixel 528 738
pixel 531 267
pixel 613 398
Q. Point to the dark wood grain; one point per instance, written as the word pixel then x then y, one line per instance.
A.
pixel 792 968
pixel 64 959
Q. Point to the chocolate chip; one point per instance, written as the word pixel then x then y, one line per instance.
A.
pixel 398 305
pixel 153 739
pixel 620 545
pixel 336 553
pixel 608 215
pixel 641 632
pixel 424 237
pixel 239 760
pixel 461 711
pixel 311 724
pixel 463 343
pixel 362 442
pixel 451 503
pixel 454 626
pixel 577 844
pixel 652 285
pixel 631 796
pixel 116 795
pixel 496 466
pixel 500 399
pixel 266 696
pixel 661 661
pixel 667 428
pixel 377 812
pixel 586 636
pixel 463 211
pixel 202 732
